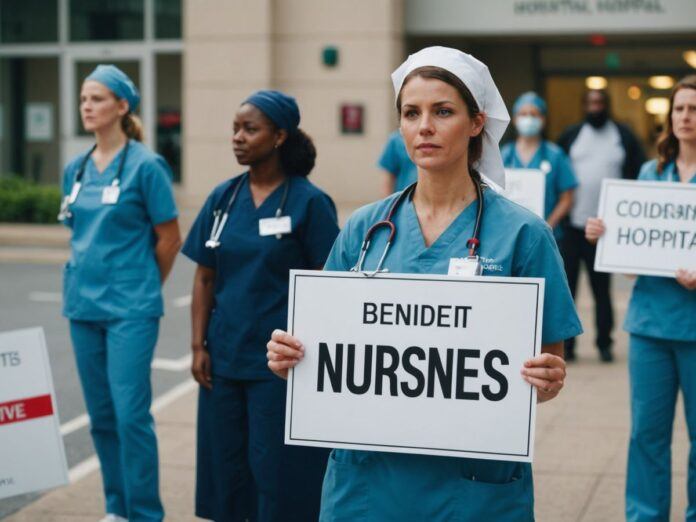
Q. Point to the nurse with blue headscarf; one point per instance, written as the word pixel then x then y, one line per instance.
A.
pixel 252 230
pixel 119 203
pixel 661 321
pixel 531 151
pixel 451 118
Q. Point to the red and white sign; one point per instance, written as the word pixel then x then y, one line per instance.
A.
pixel 32 456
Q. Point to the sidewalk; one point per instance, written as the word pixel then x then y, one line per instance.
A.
pixel 580 461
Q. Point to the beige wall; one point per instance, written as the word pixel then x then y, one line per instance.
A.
pixel 233 47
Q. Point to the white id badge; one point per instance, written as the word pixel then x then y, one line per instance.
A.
pixel 275 226
pixel 464 266
pixel 110 194
pixel 74 192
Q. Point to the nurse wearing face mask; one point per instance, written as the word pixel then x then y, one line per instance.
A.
pixel 532 151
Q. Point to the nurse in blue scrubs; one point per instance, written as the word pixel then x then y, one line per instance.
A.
pixel 251 231
pixel 119 203
pixel 661 321
pixel 452 117
pixel 399 169
pixel 531 151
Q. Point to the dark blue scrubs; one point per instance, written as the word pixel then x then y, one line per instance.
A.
pixel 241 421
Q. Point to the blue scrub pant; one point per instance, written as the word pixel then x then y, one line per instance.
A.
pixel 658 369
pixel 113 360
pixel 244 470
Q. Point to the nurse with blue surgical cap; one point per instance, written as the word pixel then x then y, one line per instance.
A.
pixel 119 204
pixel 252 230
pixel 451 118
pixel 531 151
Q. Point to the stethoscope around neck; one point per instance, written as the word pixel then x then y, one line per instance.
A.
pixel 473 243
pixel 220 217
pixel 64 212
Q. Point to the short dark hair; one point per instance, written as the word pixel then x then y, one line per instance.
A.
pixel 437 73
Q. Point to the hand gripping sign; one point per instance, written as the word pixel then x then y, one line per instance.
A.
pixel 650 227
pixel 411 363
pixel 32 456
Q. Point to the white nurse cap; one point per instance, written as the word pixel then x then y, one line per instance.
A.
pixel 478 80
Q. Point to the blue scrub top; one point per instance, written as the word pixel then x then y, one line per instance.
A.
pixel 113 272
pixel 395 159
pixel 559 178
pixel 252 272
pixel 514 242
pixel 660 307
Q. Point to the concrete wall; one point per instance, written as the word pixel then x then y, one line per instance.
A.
pixel 233 47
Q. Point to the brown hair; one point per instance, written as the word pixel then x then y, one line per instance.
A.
pixel 132 126
pixel 667 143
pixel 437 73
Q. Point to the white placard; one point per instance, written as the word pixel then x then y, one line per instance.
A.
pixel 39 122
pixel 449 370
pixel 650 227
pixel 526 187
pixel 32 456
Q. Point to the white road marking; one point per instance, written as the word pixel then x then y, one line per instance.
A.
pixel 173 365
pixel 46 297
pixel 91 464
pixel 74 424
pixel 182 302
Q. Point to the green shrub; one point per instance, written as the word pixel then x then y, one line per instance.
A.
pixel 23 201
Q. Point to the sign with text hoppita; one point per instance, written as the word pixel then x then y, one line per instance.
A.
pixel 414 363
pixel 650 227
pixel 32 455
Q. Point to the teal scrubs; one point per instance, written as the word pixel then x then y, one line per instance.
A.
pixel 244 470
pixel 112 296
pixel 551 159
pixel 661 320
pixel 395 160
pixel 374 486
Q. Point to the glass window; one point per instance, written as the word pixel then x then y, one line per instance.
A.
pixel 169 110
pixel 19 22
pixel 106 20
pixel 168 19
pixel 84 68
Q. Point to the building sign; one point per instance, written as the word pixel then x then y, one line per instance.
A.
pixel 39 122
pixel 502 17
pixel 352 117
pixel 32 456
pixel 650 227
pixel 414 363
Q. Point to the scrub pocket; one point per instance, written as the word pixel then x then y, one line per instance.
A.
pixel 345 493
pixel 507 501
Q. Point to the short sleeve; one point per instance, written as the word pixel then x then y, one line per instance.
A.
pixel 158 193
pixel 194 247
pixel 648 171
pixel 320 229
pixel 341 256
pixel 541 259
pixel 389 160
pixel 566 179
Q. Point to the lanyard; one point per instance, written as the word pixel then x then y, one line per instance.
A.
pixel 77 183
pixel 220 217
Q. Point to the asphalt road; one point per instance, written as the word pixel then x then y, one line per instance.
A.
pixel 30 296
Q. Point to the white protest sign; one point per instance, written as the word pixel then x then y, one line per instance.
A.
pixel 526 187
pixel 425 364
pixel 650 227
pixel 32 456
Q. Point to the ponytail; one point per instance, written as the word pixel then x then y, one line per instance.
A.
pixel 297 154
pixel 132 126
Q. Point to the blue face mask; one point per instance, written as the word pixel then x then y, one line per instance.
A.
pixel 528 125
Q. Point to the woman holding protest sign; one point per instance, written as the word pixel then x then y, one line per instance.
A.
pixel 661 321
pixel 278 221
pixel 452 117
pixel 531 151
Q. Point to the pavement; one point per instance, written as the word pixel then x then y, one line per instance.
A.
pixel 580 451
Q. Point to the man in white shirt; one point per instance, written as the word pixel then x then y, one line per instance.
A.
pixel 598 148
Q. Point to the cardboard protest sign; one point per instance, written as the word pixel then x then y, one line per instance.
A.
pixel 32 456
pixel 650 227
pixel 411 363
